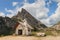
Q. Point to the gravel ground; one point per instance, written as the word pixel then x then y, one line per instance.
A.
pixel 19 38
pixel 30 38
pixel 50 38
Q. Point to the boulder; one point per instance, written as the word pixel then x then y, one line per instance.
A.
pixel 41 34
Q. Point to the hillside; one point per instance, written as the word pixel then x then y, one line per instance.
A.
pixel 7 25
pixel 56 26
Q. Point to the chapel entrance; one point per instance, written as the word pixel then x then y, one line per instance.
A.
pixel 19 32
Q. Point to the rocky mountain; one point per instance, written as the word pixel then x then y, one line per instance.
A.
pixel 7 25
pixel 30 19
pixel 56 26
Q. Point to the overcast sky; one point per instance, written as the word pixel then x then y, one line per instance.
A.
pixel 47 11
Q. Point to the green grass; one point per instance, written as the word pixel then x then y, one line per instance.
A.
pixel 46 32
pixel 49 33
pixel 34 33
pixel 58 31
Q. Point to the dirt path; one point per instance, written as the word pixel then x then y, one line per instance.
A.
pixel 19 38
pixel 30 38
pixel 50 38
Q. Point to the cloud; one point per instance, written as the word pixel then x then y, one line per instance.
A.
pixel 48 3
pixel 11 13
pixel 54 18
pixel 56 0
pixel 37 9
pixel 14 3
pixel 2 14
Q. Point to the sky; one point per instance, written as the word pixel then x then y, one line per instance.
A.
pixel 46 11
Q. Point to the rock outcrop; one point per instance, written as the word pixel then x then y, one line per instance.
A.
pixel 56 26
pixel 7 25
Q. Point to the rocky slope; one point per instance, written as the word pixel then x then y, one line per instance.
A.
pixel 56 26
pixel 7 25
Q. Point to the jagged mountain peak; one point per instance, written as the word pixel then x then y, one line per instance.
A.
pixel 24 14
